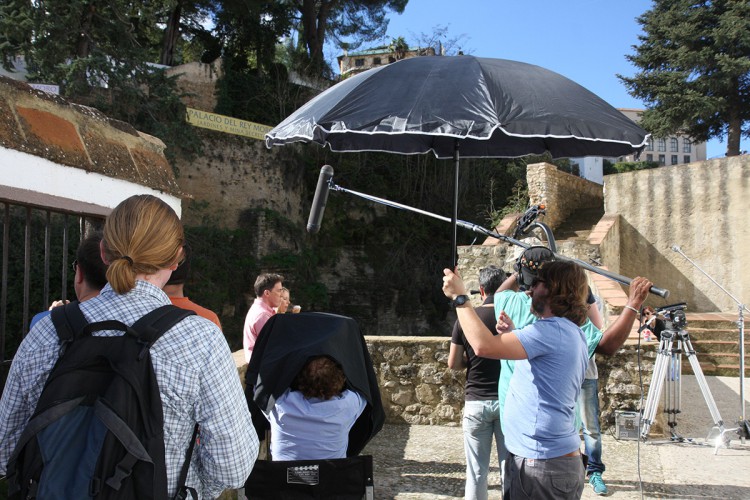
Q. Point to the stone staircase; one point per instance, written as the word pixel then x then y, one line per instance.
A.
pixel 714 336
pixel 715 339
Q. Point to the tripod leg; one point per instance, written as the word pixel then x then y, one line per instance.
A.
pixel 657 383
pixel 672 399
pixel 701 379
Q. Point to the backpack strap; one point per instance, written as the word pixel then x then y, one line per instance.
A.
pixel 182 488
pixel 154 324
pixel 69 321
pixel 148 330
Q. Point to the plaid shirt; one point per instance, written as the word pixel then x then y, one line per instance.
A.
pixel 197 380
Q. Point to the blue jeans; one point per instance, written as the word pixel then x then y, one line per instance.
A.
pixel 480 423
pixel 589 403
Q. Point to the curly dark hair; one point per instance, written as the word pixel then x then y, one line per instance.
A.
pixel 321 378
pixel 568 290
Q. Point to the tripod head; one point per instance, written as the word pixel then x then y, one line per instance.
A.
pixel 674 315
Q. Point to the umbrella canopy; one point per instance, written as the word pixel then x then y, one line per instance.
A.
pixel 491 108
pixel 478 107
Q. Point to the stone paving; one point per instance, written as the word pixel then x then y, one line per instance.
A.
pixel 418 462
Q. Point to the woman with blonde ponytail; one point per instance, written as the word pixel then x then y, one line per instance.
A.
pixel 197 378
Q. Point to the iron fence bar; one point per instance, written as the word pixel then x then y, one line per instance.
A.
pixel 47 230
pixel 64 284
pixel 4 286
pixel 26 272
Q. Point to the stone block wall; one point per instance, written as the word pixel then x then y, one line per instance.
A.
pixel 417 387
pixel 700 207
pixel 197 82
pixel 563 193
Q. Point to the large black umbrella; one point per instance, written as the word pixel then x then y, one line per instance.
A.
pixel 464 105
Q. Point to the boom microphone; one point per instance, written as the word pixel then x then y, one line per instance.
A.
pixel 319 200
pixel 675 248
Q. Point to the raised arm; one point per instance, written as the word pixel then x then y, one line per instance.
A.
pixel 616 335
pixel 481 339
pixel 510 283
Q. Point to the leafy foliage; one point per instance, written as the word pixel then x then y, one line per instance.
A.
pixel 628 166
pixel 694 61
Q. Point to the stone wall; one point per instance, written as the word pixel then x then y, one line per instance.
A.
pixel 197 82
pixel 562 192
pixel 702 208
pixel 243 174
pixel 417 387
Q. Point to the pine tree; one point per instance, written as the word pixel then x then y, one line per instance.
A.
pixel 694 61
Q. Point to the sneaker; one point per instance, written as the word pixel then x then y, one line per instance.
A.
pixel 597 483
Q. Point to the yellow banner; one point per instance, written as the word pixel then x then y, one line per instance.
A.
pixel 226 124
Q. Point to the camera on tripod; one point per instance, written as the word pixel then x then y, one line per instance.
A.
pixel 674 315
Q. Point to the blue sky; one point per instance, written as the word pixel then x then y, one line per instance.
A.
pixel 584 40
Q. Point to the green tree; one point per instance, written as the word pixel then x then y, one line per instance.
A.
pixel 350 21
pixel 399 47
pixel 694 61
pixel 184 23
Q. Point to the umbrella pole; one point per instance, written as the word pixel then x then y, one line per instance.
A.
pixel 454 218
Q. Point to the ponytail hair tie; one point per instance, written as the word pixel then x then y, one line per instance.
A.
pixel 128 259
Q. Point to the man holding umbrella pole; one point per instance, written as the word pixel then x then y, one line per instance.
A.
pixel 544 459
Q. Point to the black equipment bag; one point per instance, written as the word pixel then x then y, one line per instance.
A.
pixel 333 479
pixel 98 428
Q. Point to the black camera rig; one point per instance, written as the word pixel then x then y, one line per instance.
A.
pixel 674 315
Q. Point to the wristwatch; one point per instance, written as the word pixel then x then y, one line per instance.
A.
pixel 460 300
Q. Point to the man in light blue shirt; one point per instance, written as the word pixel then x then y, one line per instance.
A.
pixel 551 354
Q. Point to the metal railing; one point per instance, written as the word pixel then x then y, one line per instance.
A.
pixel 38 245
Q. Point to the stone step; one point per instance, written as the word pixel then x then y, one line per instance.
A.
pixel 716 334
pixel 703 324
pixel 714 321
pixel 715 364
pixel 579 225
pixel 718 346
pixel 710 369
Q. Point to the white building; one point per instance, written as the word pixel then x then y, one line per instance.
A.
pixel 673 150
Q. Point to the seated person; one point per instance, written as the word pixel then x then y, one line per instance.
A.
pixel 652 322
pixel 312 419
pixel 283 307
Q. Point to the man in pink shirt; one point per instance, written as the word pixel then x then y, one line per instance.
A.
pixel 268 292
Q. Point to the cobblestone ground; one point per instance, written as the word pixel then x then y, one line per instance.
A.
pixel 427 462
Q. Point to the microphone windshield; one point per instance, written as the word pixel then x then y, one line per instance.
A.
pixel 675 248
pixel 319 200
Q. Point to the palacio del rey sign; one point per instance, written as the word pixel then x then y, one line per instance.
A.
pixel 227 124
